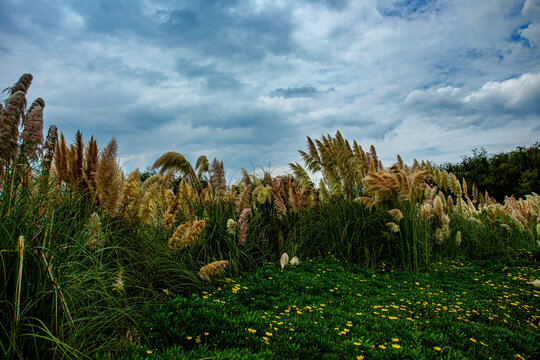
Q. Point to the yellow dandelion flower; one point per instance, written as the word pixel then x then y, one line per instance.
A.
pixel 395 340
pixel 437 348
pixel 189 338
pixel 396 346
pixel 357 344
pixel 359 357
pixel 148 351
pixel 382 347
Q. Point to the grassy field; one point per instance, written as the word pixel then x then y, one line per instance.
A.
pixel 331 309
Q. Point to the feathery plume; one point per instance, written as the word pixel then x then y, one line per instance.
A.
pixel 284 260
pixel 50 145
pixel 396 214
pixel 76 161
pixel 91 157
pixel 186 235
pixel 96 236
pixel 438 207
pixel 9 126
pixel 217 178
pixel 425 212
pixel 231 226
pixel 60 158
pixel 294 261
pixel 109 178
pixel 201 166
pixel 458 238
pixel 212 269
pixel 32 135
pixel 246 179
pixel 450 204
pixel 242 226
pixel 22 84
pixel 243 200
pixel 393 227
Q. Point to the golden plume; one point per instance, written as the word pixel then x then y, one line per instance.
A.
pixel 186 235
pixel 212 269
pixel 109 178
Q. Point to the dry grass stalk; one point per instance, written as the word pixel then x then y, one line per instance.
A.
pixel 393 227
pixel 231 194
pixel 60 158
pixel 18 285
pixel 32 135
pixel 217 178
pixel 396 214
pixel 50 145
pixel 186 235
pixel 242 226
pixel 279 204
pixel 75 160
pixel 109 179
pixel 9 126
pixel 173 161
pixel 91 157
pixel 246 179
pixel 212 269
pixel 243 200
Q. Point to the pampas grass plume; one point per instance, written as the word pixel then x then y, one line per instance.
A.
pixel 212 269
pixel 284 260
pixel 295 261
pixel 231 226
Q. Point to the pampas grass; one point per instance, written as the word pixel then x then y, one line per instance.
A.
pixel 109 179
pixel 185 235
pixel 242 226
pixel 212 269
pixel 32 135
pixel 50 144
pixel 284 260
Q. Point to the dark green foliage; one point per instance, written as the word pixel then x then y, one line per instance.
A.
pixel 516 172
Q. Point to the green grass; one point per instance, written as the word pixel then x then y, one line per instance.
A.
pixel 338 310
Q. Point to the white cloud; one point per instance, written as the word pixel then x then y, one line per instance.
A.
pixel 518 95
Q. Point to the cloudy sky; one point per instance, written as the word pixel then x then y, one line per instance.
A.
pixel 247 81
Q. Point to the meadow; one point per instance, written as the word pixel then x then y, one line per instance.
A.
pixel 101 264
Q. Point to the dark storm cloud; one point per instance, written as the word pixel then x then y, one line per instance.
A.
pixel 304 91
pixel 116 67
pixel 217 29
pixel 212 78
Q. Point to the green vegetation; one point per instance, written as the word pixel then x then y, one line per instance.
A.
pixel 95 262
pixel 330 309
pixel 514 173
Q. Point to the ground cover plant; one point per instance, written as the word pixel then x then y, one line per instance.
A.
pixel 330 309
pixel 86 249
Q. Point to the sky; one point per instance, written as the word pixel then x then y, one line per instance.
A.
pixel 247 81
